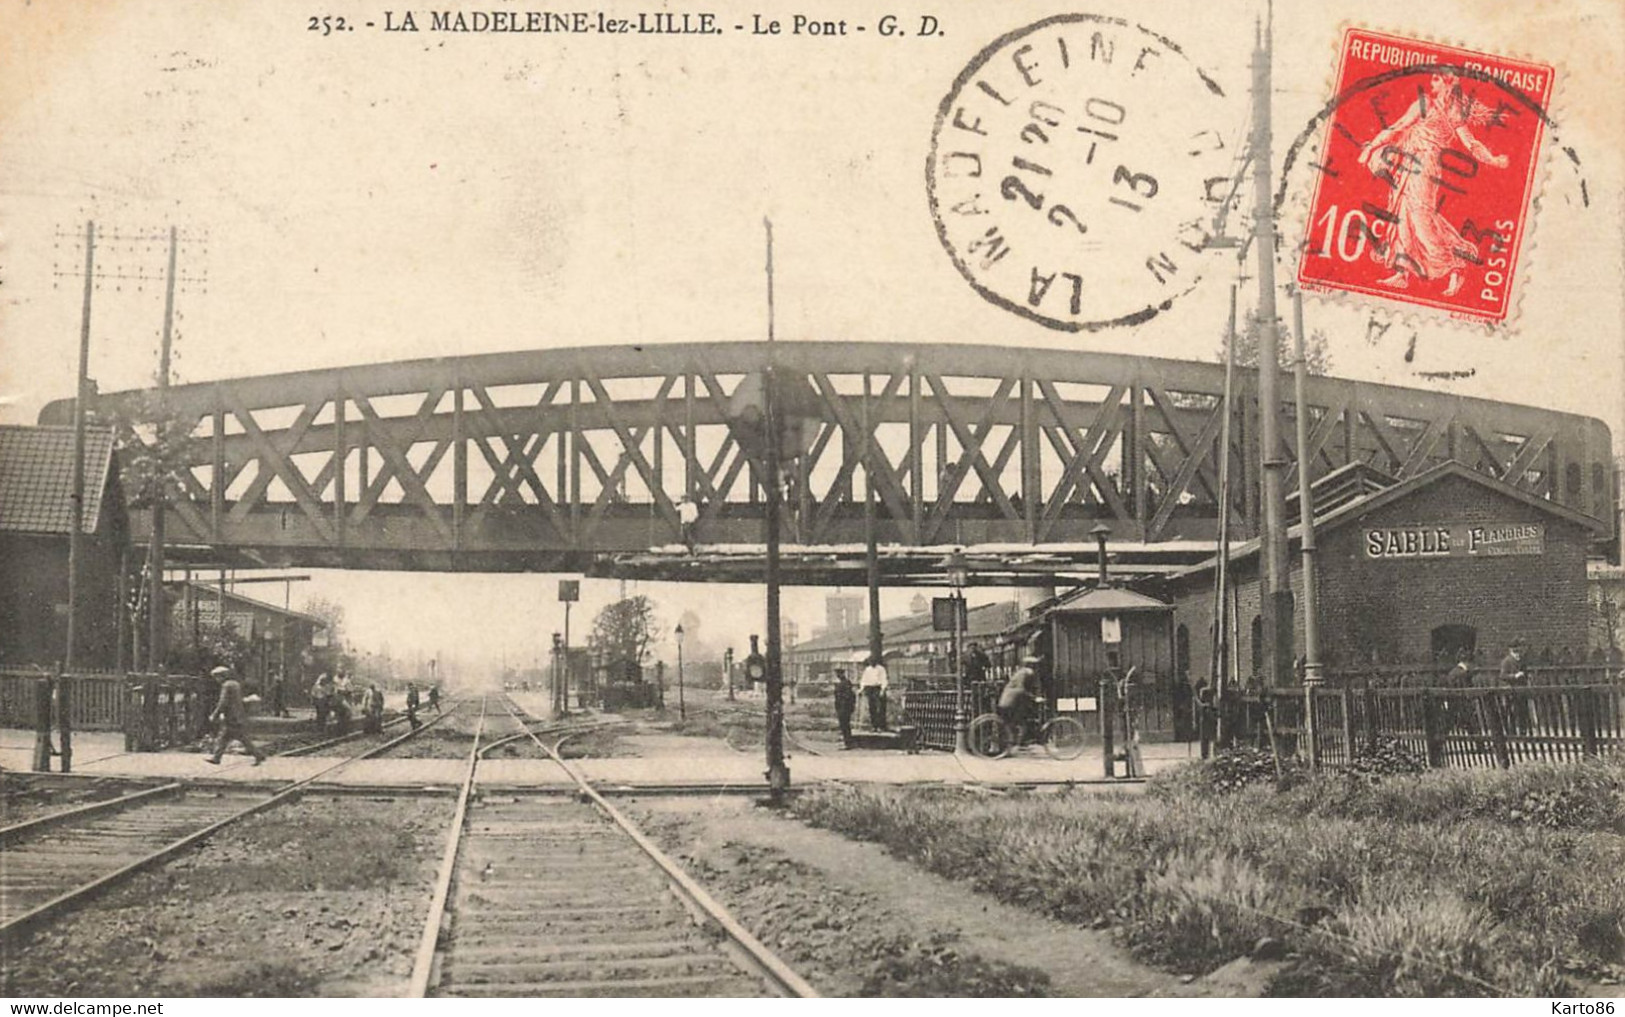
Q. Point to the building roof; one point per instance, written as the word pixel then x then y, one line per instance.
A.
pixel 1110 600
pixel 1368 503
pixel 209 591
pixel 1341 486
pixel 981 621
pixel 36 478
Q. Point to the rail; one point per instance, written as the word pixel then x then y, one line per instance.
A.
pixel 762 962
pixel 11 930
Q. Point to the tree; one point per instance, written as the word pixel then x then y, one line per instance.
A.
pixel 1316 355
pixel 155 449
pixel 331 613
pixel 624 630
pixel 215 645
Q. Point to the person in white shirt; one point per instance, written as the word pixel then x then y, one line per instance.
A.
pixel 874 683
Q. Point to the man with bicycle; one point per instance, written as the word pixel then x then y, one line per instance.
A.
pixel 1019 698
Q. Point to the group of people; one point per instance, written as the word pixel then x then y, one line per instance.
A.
pixel 1018 696
pixel 874 685
pixel 336 699
pixel 1511 673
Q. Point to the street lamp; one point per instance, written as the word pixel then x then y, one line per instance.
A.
pixel 681 714
pixel 958 578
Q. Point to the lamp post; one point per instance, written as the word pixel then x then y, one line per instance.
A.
pixel 958 577
pixel 681 714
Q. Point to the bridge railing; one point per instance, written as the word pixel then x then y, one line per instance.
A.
pixel 595 449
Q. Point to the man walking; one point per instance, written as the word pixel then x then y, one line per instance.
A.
pixel 412 703
pixel 846 704
pixel 231 717
pixel 874 682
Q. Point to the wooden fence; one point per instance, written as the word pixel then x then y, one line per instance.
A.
pixel 163 711
pixel 1469 727
pixel 1437 675
pixel 153 711
pixel 95 701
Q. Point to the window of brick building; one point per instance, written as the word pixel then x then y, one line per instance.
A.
pixel 1448 640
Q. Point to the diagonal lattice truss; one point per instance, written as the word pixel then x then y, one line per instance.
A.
pixel 553 458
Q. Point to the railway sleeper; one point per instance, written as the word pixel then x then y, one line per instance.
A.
pixel 689 986
pixel 577 969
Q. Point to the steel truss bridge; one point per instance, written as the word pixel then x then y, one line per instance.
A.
pixel 577 460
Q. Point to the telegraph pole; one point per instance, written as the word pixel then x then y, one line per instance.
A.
pixel 1277 592
pixel 1306 509
pixel 75 537
pixel 157 644
pixel 778 774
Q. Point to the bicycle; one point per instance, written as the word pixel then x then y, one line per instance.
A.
pixel 992 737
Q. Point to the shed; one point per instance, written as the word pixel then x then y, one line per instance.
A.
pixel 1085 632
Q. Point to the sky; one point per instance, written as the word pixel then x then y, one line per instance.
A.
pixel 365 197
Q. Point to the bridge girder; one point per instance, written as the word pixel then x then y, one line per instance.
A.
pixel 576 459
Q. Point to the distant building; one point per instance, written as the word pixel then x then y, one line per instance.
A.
pixel 36 517
pixel 278 639
pixel 1606 591
pixel 842 611
pixel 913 648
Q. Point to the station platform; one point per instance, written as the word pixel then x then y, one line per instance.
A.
pixel 661 762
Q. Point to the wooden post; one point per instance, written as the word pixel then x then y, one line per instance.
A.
pixel 42 725
pixel 1498 730
pixel 1346 702
pixel 64 721
pixel 1432 737
pixel 1104 709
pixel 1585 699
pixel 1370 718
pixel 149 716
pixel 128 713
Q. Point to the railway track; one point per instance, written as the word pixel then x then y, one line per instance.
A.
pixel 57 862
pixel 561 895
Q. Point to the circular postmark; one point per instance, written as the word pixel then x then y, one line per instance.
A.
pixel 1075 169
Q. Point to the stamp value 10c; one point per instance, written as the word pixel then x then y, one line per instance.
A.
pixel 1425 178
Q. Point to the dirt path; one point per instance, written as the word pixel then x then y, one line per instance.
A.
pixel 1079 962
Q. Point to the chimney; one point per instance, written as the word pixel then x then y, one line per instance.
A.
pixel 1100 532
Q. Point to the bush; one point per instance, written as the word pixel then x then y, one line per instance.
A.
pixel 1389 758
pixel 1227 771
pixel 1587 795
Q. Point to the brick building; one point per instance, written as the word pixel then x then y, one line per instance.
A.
pixel 36 517
pixel 1412 572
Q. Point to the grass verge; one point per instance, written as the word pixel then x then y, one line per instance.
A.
pixel 1365 903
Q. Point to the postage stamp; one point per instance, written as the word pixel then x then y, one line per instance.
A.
pixel 1425 180
pixel 1074 168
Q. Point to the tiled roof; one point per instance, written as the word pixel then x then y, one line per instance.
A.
pixel 36 477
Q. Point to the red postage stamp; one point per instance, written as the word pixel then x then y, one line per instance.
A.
pixel 1426 174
